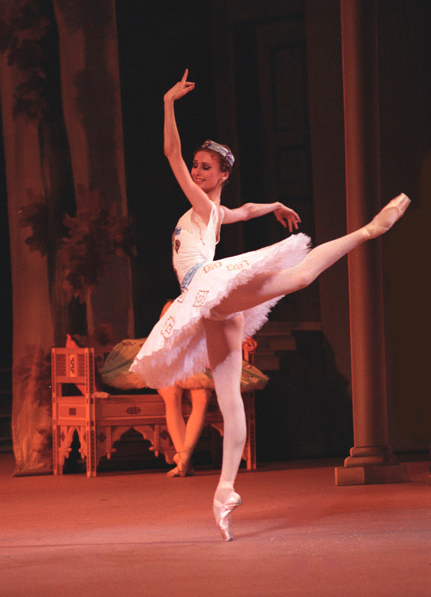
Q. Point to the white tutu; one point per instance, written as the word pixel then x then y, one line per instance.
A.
pixel 176 347
pixel 115 371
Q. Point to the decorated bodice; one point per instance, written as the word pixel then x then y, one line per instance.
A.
pixel 193 243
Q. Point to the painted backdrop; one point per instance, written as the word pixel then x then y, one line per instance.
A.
pixel 69 232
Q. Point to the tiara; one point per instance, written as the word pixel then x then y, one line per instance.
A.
pixel 219 149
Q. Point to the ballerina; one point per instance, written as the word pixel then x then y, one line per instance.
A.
pixel 226 300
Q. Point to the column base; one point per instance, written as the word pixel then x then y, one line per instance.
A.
pixel 369 474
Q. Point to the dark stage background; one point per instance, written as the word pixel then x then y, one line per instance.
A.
pixel 156 44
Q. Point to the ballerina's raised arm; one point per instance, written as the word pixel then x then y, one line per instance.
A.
pixel 172 147
pixel 205 183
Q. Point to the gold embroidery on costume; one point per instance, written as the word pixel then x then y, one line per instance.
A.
pixel 198 226
pixel 241 265
pixel 210 266
pixel 201 296
pixel 168 327
pixel 182 296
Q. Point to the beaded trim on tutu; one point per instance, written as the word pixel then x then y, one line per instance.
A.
pixel 176 346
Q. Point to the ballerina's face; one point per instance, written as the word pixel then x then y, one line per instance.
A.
pixel 206 171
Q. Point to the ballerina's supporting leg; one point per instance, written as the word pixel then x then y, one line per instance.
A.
pixel 224 344
pixel 267 286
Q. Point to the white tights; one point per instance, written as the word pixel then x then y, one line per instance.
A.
pixel 269 285
pixel 224 339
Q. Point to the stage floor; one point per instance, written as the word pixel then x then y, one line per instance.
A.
pixel 143 534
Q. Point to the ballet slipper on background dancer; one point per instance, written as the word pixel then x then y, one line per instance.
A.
pixel 387 217
pixel 183 468
pixel 223 509
pixel 175 472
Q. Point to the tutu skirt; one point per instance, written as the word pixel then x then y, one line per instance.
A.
pixel 115 372
pixel 176 347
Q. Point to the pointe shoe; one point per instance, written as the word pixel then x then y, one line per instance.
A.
pixel 222 515
pixel 387 217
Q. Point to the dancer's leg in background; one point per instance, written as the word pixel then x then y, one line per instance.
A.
pixel 184 436
pixel 172 396
pixel 199 398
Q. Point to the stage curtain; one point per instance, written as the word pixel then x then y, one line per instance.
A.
pixel 69 232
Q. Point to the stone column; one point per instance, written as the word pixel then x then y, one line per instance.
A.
pixel 371 459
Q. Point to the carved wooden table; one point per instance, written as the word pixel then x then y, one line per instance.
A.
pixel 101 419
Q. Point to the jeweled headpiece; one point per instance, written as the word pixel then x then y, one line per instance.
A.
pixel 219 149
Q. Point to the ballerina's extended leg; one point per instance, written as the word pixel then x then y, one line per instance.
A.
pixel 270 285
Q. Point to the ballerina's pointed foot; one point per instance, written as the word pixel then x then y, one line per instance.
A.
pixel 223 515
pixel 387 217
pixel 183 468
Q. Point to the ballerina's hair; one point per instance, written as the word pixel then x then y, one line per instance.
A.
pixel 223 153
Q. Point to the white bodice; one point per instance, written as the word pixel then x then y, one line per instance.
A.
pixel 193 242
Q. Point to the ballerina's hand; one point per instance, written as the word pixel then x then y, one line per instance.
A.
pixel 181 88
pixel 287 217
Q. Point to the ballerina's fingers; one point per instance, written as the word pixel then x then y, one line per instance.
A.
pixel 287 218
pixel 187 84
pixel 180 89
pixel 293 221
pixel 185 89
